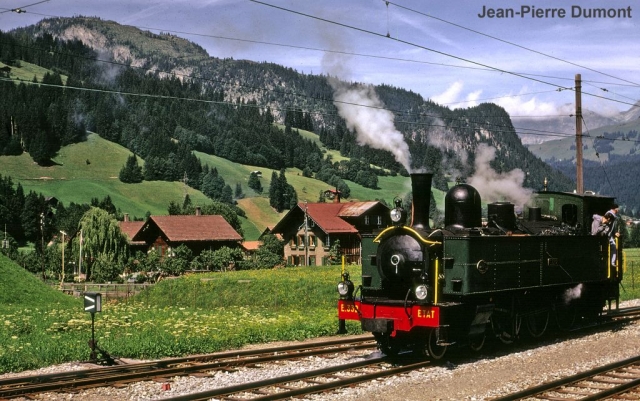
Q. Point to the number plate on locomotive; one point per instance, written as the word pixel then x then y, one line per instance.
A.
pixel 348 310
pixel 425 314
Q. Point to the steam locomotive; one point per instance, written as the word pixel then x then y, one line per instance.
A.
pixel 425 289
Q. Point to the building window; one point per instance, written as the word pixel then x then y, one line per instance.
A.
pixel 366 220
pixel 312 241
pixel 379 220
pixel 292 243
pixel 301 241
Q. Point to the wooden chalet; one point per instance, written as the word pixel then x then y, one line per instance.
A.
pixel 130 229
pixel 310 229
pixel 197 232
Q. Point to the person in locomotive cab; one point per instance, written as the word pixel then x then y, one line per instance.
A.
pixel 614 232
pixel 600 225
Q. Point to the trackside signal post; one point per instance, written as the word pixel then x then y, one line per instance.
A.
pixel 93 304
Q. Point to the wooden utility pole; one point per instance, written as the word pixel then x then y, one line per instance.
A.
pixel 579 182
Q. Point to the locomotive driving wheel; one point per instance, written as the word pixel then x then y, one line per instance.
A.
pixel 434 350
pixel 476 343
pixel 565 315
pixel 506 328
pixel 537 322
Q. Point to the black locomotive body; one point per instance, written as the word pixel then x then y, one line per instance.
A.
pixel 427 288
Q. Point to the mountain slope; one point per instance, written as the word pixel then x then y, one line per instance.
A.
pixel 282 89
pixel 439 139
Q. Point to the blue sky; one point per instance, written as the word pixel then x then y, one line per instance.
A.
pixel 424 53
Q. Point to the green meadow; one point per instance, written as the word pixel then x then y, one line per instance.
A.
pixel 90 169
pixel 193 314
pixel 40 326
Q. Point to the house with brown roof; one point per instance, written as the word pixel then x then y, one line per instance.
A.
pixel 310 229
pixel 198 232
pixel 130 229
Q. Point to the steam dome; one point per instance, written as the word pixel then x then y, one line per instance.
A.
pixel 462 207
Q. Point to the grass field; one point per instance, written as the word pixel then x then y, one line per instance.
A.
pixel 192 314
pixel 89 170
pixel 189 315
pixel 27 71
pixel 630 288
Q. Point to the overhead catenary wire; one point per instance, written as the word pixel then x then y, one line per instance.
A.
pixel 324 50
pixel 370 32
pixel 317 99
pixel 495 127
pixel 604 171
pixel 21 9
pixel 185 76
pixel 350 53
pixel 529 131
pixel 509 42
pixel 163 30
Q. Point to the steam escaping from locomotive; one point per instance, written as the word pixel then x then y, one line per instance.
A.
pixel 364 113
pixel 572 293
pixel 494 186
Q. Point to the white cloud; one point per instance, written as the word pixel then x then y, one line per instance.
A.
pixel 450 95
pixel 472 98
pixel 527 106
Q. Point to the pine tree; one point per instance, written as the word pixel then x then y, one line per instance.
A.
pixel 131 172
pixel 254 183
pixel 275 192
pixel 238 194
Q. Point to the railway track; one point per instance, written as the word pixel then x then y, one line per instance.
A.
pixel 123 374
pixel 275 388
pixel 620 381
pixel 306 383
pixel 631 312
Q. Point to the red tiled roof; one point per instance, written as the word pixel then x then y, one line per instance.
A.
pixel 131 228
pixel 326 215
pixel 196 228
pixel 251 245
pixel 355 209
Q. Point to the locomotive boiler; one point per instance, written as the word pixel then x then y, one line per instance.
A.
pixel 426 288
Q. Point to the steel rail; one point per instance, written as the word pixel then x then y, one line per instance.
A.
pixel 262 386
pixel 87 378
pixel 544 388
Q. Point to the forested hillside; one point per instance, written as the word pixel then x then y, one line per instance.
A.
pixel 162 97
pixel 618 177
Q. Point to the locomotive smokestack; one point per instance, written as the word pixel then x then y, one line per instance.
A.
pixel 421 187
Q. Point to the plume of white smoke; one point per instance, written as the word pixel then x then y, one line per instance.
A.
pixel 494 186
pixel 364 112
pixel 572 293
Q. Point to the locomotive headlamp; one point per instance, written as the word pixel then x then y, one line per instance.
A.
pixel 345 287
pixel 421 292
pixel 397 214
